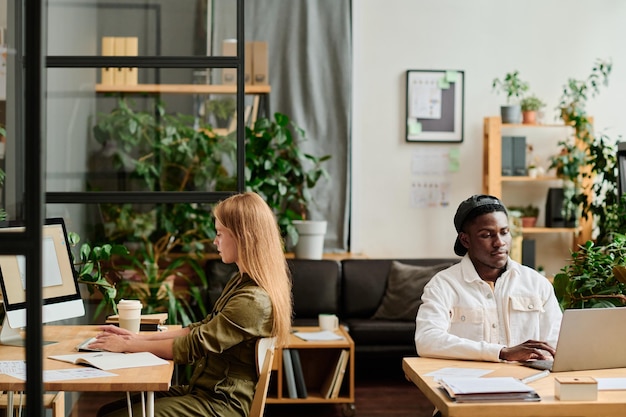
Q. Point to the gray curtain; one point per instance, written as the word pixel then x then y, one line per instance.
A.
pixel 310 68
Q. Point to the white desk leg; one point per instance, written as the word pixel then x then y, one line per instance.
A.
pixel 150 395
pixel 129 404
pixel 9 403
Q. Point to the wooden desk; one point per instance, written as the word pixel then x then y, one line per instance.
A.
pixel 608 404
pixel 150 379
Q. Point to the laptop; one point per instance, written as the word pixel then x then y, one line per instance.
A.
pixel 592 338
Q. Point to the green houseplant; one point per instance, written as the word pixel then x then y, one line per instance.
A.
pixel 528 214
pixel 530 106
pixel 279 171
pixel 513 87
pixel 595 276
pixel 586 161
pixel 160 151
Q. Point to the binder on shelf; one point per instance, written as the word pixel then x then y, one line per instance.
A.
pixel 299 375
pixel 519 155
pixel 345 355
pixel 119 49
pixel 108 49
pixel 289 374
pixel 131 48
pixel 507 155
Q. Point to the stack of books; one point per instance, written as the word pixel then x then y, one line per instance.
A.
pixel 148 323
pixel 497 389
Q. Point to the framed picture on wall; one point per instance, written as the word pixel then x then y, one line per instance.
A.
pixel 434 105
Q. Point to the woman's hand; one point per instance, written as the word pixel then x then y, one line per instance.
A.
pixel 114 339
pixel 530 349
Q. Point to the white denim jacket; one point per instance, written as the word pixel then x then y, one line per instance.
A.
pixel 463 318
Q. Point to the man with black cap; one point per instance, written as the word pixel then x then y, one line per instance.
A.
pixel 487 307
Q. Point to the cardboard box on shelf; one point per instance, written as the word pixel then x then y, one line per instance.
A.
pixel 260 67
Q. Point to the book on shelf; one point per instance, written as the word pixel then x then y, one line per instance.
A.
pixel 112 360
pixel 149 322
pixel 290 378
pixel 329 386
pixel 299 375
pixel 496 389
pixel 345 355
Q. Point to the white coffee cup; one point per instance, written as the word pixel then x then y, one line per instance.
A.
pixel 130 314
pixel 328 322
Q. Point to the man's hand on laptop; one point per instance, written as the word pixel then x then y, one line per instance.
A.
pixel 529 350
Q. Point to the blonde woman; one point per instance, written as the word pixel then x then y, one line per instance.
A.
pixel 255 303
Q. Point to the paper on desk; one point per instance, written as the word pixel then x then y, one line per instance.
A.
pixel 63 374
pixel 463 372
pixel 611 383
pixel 323 335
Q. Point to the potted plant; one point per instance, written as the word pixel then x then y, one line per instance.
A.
pixel 168 153
pixel 284 175
pixel 595 276
pixel 513 87
pixel 530 106
pixel 528 214
pixel 586 162
pixel 221 110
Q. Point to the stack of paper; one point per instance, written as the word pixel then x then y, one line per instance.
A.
pixel 467 389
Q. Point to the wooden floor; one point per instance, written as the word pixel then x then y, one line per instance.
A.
pixel 380 391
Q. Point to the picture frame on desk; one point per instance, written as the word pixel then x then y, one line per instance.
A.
pixel 434 105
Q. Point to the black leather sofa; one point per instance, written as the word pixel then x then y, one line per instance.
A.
pixel 353 289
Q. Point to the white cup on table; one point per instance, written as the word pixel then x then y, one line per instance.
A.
pixel 129 314
pixel 328 322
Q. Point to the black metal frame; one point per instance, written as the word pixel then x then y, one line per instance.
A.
pixel 31 27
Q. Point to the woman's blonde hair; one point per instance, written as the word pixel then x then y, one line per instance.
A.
pixel 260 253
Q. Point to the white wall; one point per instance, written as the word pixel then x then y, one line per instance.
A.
pixel 547 41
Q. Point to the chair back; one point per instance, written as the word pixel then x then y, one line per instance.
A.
pixel 265 358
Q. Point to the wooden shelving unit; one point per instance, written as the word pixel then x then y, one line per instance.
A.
pixel 494 181
pixel 181 89
pixel 318 359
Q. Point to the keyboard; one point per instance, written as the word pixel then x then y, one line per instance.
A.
pixel 83 347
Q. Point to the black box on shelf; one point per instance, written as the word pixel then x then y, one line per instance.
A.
pixel 554 209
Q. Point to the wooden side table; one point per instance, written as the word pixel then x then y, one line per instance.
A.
pixel 318 359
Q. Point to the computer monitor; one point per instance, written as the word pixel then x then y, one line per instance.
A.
pixel 621 166
pixel 61 295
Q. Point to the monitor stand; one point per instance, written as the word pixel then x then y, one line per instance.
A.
pixel 13 337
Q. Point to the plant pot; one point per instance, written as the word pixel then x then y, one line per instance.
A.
pixel 311 238
pixel 511 114
pixel 529 221
pixel 529 117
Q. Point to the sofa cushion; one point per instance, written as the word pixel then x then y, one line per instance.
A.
pixel 366 332
pixel 315 287
pixel 364 283
pixel 405 285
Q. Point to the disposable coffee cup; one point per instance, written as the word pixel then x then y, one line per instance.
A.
pixel 328 322
pixel 129 314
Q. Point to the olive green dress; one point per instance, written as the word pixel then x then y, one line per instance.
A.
pixel 222 348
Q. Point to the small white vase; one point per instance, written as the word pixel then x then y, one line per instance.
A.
pixel 310 238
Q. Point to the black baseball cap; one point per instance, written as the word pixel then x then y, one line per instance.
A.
pixel 468 209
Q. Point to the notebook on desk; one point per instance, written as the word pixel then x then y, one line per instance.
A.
pixel 592 338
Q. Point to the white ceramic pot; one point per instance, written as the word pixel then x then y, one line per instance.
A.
pixel 311 238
